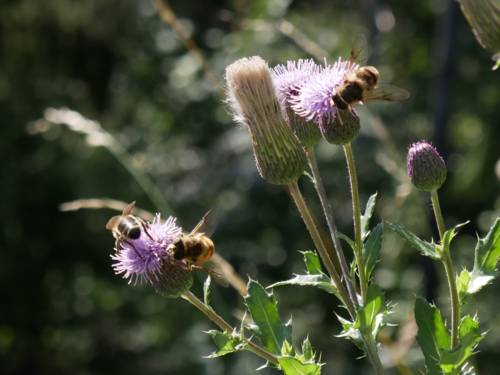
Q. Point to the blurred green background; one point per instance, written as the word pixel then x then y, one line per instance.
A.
pixel 116 62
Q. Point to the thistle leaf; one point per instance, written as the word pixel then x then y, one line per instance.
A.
pixel 426 248
pixel 312 262
pixel 371 249
pixel 263 308
pixel 365 218
pixel 318 281
pixel 226 343
pixel 293 366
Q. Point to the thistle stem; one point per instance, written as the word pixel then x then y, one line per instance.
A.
pixel 356 212
pixel 320 245
pixel 225 326
pixel 328 212
pixel 449 270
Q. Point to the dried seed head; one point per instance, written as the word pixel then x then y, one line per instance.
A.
pixel 425 167
pixel 342 128
pixel 279 155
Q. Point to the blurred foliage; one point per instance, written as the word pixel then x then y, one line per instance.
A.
pixel 63 310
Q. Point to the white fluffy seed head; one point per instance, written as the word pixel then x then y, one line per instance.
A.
pixel 252 96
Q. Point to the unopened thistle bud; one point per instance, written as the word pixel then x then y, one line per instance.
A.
pixel 149 258
pixel 288 81
pixel 279 155
pixel 342 128
pixel 425 167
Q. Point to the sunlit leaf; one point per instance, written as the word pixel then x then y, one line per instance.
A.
pixel 319 281
pixel 263 308
pixel 226 343
pixel 365 218
pixel 426 248
pixel 293 366
pixel 312 262
pixel 484 18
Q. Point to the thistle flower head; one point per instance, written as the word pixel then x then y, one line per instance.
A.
pixel 150 259
pixel 342 129
pixel 288 80
pixel 425 167
pixel 278 153
pixel 314 100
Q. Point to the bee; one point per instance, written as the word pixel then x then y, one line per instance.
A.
pixel 362 86
pixel 126 227
pixel 196 249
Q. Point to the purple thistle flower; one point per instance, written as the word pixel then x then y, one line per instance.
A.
pixel 425 167
pixel 288 81
pixel 142 259
pixel 314 100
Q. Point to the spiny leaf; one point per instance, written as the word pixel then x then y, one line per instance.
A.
pixel 365 218
pixel 318 281
pixel 293 366
pixel 432 335
pixel 487 253
pixel 370 316
pixel 226 343
pixel 312 262
pixel 371 249
pixel 307 350
pixel 206 290
pixel 264 311
pixel 469 337
pixel 426 248
pixel 487 250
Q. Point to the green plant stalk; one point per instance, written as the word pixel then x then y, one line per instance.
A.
pixel 449 270
pixel 225 326
pixel 356 212
pixel 370 345
pixel 372 354
pixel 298 199
pixel 328 212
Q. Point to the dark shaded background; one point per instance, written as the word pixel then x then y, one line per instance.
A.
pixel 62 309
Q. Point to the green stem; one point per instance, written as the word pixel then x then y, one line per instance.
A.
pixel 449 270
pixel 320 245
pixel 372 354
pixel 356 211
pixel 225 326
pixel 327 210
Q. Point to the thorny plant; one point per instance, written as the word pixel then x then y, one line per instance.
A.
pixel 287 110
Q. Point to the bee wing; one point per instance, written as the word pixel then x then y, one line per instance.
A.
pixel 215 274
pixel 386 92
pixel 359 50
pixel 128 208
pixel 112 222
pixel 205 225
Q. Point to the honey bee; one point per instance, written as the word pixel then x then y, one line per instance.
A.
pixel 362 86
pixel 127 227
pixel 196 249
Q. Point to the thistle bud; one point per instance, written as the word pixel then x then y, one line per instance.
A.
pixel 149 258
pixel 425 167
pixel 278 153
pixel 288 81
pixel 342 128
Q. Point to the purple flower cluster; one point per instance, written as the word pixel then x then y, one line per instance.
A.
pixel 142 259
pixel 305 89
pixel 308 87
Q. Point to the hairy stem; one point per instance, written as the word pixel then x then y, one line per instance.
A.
pixel 327 209
pixel 372 354
pixel 356 212
pixel 449 270
pixel 320 245
pixel 225 326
